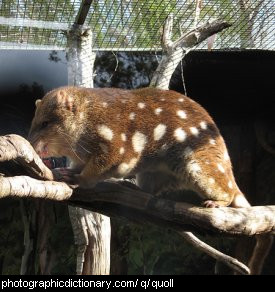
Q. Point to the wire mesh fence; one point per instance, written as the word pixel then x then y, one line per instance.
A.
pixel 135 24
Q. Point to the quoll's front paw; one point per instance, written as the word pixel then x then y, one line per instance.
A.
pixel 85 183
pixel 66 175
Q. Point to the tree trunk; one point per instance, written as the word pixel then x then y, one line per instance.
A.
pixel 92 231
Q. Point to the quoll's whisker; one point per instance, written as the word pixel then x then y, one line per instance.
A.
pixel 72 149
pixel 79 142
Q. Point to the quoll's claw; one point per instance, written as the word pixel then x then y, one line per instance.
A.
pixel 210 204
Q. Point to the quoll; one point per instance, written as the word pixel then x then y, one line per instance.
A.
pixel 167 140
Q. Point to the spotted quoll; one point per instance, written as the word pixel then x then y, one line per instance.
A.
pixel 167 140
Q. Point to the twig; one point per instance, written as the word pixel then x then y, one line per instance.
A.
pixel 219 256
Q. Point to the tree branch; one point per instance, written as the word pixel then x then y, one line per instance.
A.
pixel 201 33
pixel 175 51
pixel 18 149
pixel 167 33
pixel 116 199
pixel 123 199
pixel 202 246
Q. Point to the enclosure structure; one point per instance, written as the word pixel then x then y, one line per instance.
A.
pixel 120 26
pixel 134 25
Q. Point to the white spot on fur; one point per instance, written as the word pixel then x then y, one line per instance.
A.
pixel 220 168
pixel 225 155
pixel 180 134
pixel 123 100
pixel 132 116
pixel 193 167
pixel 194 131
pixel 139 141
pixel 188 151
pixel 121 150
pixel 104 104
pixel 132 163
pixel 81 115
pixel 141 105
pixel 181 114
pixel 159 131
pixel 105 132
pixel 211 180
pixel 181 99
pixel 203 125
pixel 230 185
pixel 212 141
pixel 162 99
pixel 123 168
pixel 123 137
pixel 158 110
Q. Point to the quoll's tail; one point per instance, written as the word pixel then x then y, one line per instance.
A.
pixel 240 201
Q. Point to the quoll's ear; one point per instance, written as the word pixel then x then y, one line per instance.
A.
pixel 66 100
pixel 37 102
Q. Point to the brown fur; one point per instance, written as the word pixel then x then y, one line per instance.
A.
pixel 86 126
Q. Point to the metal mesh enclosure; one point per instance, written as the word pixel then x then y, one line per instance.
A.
pixel 134 24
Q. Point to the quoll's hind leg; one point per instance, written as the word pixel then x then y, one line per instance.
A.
pixel 155 182
pixel 208 172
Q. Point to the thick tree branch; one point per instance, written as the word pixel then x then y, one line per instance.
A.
pixel 127 200
pixel 117 199
pixel 24 186
pixel 18 149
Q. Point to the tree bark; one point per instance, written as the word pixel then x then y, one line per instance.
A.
pixel 92 231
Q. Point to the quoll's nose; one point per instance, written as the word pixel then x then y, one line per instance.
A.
pixel 41 149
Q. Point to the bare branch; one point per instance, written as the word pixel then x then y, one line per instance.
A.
pixel 117 199
pixel 15 147
pixel 120 200
pixel 260 252
pixel 219 256
pixel 256 11
pixel 175 52
pixel 197 12
pixel 201 33
pixel 167 42
pixel 27 187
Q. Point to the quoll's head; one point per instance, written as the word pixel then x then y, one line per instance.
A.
pixel 51 132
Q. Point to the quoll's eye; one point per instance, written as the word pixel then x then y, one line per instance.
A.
pixel 44 124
